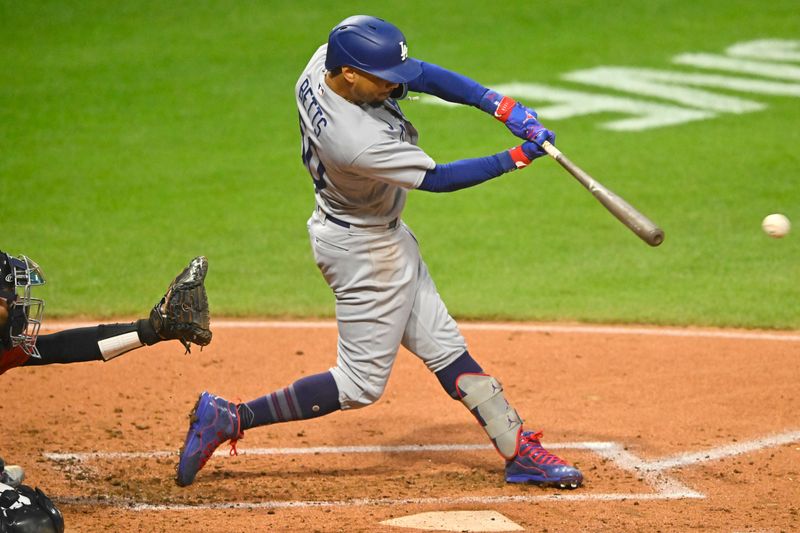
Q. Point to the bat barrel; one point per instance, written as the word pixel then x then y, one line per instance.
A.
pixel 639 224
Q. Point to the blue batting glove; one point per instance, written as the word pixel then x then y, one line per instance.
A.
pixel 524 154
pixel 532 150
pixel 544 135
pixel 521 120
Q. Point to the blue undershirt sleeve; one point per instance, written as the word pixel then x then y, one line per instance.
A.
pixel 465 173
pixel 447 85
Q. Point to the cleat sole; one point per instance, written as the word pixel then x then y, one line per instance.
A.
pixel 566 484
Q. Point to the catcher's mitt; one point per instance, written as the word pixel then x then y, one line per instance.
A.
pixel 183 311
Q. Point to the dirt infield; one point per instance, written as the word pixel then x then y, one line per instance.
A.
pixel 675 430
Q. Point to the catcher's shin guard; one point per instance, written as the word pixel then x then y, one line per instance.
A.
pixel 483 396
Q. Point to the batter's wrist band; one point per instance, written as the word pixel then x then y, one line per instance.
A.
pixel 518 157
pixel 504 108
pixel 497 105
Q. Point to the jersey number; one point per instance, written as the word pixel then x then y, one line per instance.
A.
pixel 311 159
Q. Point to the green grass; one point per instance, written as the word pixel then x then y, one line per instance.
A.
pixel 136 135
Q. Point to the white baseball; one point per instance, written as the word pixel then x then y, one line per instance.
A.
pixel 776 225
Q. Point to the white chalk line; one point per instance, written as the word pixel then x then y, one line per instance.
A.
pixel 363 502
pixel 509 327
pixel 316 450
pixel 738 448
pixel 651 473
pixel 664 490
pixel 661 483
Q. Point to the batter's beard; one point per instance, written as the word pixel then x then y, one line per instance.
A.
pixel 379 102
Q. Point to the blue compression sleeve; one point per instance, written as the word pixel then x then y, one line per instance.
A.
pixel 447 85
pixel 466 172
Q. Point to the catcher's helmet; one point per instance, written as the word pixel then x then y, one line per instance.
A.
pixel 17 276
pixel 372 45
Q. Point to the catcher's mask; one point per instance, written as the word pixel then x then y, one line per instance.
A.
pixel 18 275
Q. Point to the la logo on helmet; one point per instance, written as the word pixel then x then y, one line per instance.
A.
pixel 403 51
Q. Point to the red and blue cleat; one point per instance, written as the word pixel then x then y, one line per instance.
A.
pixel 533 464
pixel 213 421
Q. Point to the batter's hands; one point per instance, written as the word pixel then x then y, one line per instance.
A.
pixel 533 150
pixel 525 153
pixel 544 135
pixel 522 121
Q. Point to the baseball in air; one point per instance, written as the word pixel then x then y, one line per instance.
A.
pixel 776 225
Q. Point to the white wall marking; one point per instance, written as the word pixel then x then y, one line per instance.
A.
pixel 767 58
pixel 569 103
pixel 767 49
pixel 744 66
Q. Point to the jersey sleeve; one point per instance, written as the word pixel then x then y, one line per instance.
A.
pixel 401 164
pixel 447 85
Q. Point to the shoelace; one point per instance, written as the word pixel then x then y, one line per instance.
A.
pixel 530 446
pixel 233 451
pixel 239 433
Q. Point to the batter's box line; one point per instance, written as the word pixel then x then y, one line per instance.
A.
pixel 512 327
pixel 650 472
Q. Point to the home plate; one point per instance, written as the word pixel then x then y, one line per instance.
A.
pixel 456 521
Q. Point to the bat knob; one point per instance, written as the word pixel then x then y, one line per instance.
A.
pixel 656 237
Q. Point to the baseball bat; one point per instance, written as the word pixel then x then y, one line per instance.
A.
pixel 642 226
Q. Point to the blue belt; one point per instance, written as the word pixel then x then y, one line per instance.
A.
pixel 342 223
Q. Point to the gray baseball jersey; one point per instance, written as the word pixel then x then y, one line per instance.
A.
pixel 362 157
pixel 362 160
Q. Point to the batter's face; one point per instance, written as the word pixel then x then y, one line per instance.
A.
pixel 365 88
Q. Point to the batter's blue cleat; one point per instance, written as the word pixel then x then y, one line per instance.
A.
pixel 533 464
pixel 212 422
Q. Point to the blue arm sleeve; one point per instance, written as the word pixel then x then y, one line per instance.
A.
pixel 466 172
pixel 447 85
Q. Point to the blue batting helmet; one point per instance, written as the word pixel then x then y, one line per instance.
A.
pixel 372 45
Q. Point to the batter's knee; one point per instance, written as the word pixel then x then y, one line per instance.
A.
pixel 354 392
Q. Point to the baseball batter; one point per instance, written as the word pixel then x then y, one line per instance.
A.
pixel 362 154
